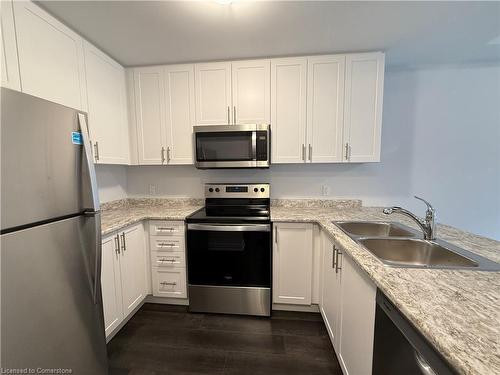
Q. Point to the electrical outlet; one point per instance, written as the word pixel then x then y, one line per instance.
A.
pixel 325 190
pixel 152 189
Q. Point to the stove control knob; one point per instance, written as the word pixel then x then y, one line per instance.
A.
pixel 256 190
pixel 217 190
pixel 211 190
pixel 262 189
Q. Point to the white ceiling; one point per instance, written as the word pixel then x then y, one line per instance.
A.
pixel 412 33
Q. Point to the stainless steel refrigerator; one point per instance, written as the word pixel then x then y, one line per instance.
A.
pixel 51 304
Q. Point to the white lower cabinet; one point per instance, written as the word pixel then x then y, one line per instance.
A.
pixel 292 263
pixel 348 308
pixel 357 316
pixel 111 285
pixel 123 275
pixel 330 290
pixel 168 259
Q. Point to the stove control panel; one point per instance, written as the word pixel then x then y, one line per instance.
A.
pixel 237 191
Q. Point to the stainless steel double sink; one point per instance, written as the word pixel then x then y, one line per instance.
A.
pixel 397 245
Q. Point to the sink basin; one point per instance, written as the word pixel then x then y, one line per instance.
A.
pixel 375 229
pixel 412 252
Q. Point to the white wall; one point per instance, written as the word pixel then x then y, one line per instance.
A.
pixel 112 182
pixel 440 140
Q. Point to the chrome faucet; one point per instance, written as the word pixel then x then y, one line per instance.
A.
pixel 427 225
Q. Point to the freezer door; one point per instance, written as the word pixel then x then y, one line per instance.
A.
pixel 51 304
pixel 44 169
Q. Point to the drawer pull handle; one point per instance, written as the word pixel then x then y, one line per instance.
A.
pixel 163 229
pixel 166 244
pixel 167 283
pixel 167 260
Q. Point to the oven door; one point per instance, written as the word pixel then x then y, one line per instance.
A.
pixel 229 255
pixel 230 146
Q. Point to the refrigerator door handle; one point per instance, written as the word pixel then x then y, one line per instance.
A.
pixel 87 145
pixel 96 217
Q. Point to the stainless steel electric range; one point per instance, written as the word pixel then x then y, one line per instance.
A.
pixel 229 251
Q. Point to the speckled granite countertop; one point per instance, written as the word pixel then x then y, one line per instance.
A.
pixel 119 214
pixel 458 311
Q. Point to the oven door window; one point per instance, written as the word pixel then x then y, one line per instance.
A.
pixel 224 146
pixel 229 258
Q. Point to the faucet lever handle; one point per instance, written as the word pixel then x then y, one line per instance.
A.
pixel 429 206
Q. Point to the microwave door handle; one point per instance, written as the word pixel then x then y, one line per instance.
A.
pixel 254 145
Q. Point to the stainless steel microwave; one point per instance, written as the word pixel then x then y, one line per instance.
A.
pixel 232 146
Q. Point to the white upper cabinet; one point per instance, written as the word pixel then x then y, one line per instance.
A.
pixel 288 110
pixel 213 93
pixel 150 115
pixel 180 113
pixel 251 89
pixel 50 57
pixel 364 86
pixel 325 108
pixel 107 107
pixel 292 263
pixel 9 62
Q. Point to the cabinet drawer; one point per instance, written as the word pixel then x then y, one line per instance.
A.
pixel 176 259
pixel 166 228
pixel 169 282
pixel 167 244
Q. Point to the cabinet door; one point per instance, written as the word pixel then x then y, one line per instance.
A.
pixel 251 81
pixel 133 267
pixel 357 319
pixel 213 93
pixel 107 107
pixel 363 106
pixel 325 108
pixel 150 115
pixel 180 111
pixel 330 291
pixel 111 284
pixel 8 58
pixel 288 110
pixel 50 57
pixel 292 263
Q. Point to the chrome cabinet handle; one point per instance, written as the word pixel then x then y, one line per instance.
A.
pixel 168 154
pixel 96 151
pixel 303 152
pixel 276 235
pixel 234 115
pixel 166 244
pixel 334 255
pixel 166 283
pixel 163 155
pixel 310 152
pixel 347 151
pixel 337 268
pixel 167 260
pixel 228 115
pixel 124 246
pixel 117 244
pixel 163 229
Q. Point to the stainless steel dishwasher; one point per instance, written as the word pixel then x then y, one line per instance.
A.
pixel 399 348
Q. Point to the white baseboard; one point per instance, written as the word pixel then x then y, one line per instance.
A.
pixel 124 321
pixel 299 308
pixel 167 300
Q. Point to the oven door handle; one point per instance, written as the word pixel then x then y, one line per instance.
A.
pixel 230 227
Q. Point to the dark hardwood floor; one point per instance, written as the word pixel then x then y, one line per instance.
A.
pixel 163 339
